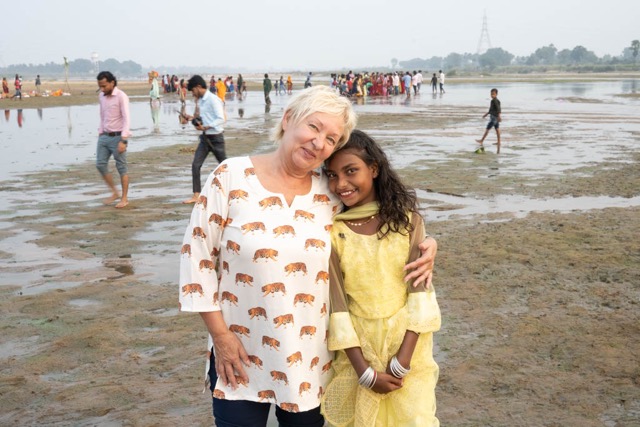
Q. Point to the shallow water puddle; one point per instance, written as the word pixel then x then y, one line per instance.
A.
pixel 83 302
pixel 514 206
pixel 20 347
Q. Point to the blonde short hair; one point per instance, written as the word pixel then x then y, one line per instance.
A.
pixel 318 99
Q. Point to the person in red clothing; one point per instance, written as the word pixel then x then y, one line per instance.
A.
pixel 17 83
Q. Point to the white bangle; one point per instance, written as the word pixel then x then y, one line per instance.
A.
pixel 397 370
pixel 368 378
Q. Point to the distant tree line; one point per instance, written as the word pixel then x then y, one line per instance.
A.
pixel 77 68
pixel 578 59
pixel 544 58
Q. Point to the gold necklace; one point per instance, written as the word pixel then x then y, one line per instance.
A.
pixel 358 224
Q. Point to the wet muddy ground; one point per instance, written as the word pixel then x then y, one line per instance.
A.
pixel 538 269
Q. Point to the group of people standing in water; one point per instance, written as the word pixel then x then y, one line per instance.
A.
pixel 385 84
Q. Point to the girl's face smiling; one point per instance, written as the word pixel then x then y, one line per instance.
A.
pixel 351 179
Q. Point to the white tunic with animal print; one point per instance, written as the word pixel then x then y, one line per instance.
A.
pixel 264 264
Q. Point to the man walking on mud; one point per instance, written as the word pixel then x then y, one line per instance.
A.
pixel 210 122
pixel 114 131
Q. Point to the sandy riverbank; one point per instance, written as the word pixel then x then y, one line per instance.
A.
pixel 85 91
pixel 540 312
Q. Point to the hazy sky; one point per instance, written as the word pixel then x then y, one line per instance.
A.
pixel 304 34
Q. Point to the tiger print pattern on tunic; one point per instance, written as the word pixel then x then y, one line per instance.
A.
pixel 270 280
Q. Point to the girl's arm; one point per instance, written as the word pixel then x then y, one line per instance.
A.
pixel 405 352
pixel 423 310
pixel 384 382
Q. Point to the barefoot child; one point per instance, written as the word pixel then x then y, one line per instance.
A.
pixel 380 327
pixel 495 118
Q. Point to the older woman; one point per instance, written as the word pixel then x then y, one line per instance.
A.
pixel 255 265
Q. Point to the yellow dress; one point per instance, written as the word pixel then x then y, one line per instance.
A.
pixel 380 310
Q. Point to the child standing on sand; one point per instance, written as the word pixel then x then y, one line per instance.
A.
pixel 380 327
pixel 495 117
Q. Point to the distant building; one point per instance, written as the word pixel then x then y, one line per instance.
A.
pixel 95 62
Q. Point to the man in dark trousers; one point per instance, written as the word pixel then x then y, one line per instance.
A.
pixel 210 121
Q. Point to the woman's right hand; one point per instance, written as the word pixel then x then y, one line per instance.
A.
pixel 229 351
pixel 386 383
pixel 230 357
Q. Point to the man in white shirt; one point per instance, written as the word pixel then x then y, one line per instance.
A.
pixel 211 123
pixel 414 82
pixel 441 81
pixel 396 83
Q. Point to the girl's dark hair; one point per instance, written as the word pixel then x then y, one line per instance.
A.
pixel 395 199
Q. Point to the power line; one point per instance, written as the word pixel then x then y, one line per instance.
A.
pixel 485 41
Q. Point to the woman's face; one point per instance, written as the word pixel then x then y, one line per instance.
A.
pixel 311 141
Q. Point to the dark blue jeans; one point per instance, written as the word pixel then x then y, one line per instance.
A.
pixel 208 143
pixel 244 413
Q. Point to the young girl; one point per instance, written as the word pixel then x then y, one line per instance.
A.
pixel 380 327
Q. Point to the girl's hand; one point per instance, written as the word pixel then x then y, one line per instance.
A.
pixel 423 266
pixel 386 383
pixel 230 356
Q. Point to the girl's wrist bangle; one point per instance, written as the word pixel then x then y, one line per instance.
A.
pixel 397 370
pixel 368 378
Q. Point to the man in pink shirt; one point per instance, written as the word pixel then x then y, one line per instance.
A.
pixel 113 131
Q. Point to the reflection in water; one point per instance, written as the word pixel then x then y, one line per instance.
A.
pixel 241 112
pixel 122 265
pixel 630 86
pixel 7 114
pixel 40 113
pixel 181 115
pixel 155 115
pixel 20 118
pixel 579 89
pixel 69 124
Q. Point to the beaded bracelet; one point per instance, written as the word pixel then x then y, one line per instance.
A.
pixel 397 370
pixel 368 378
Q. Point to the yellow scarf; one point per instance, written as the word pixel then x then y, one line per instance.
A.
pixel 358 212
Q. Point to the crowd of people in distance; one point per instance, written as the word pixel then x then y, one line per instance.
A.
pixel 385 84
pixel 18 85
pixel 224 89
pixel 227 88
